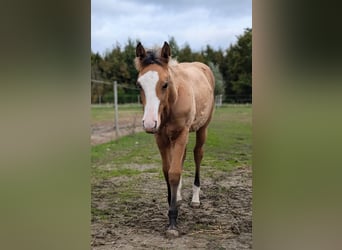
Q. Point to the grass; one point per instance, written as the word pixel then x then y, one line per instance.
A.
pixel 104 174
pixel 132 157
pixel 102 113
pixel 228 144
pixel 100 213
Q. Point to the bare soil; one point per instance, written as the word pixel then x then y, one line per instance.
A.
pixel 102 132
pixel 223 221
pixel 130 212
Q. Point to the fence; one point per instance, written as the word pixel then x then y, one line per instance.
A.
pixel 115 94
pixel 238 99
pixel 101 94
pixel 104 92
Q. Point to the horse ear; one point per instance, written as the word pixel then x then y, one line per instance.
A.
pixel 140 51
pixel 166 51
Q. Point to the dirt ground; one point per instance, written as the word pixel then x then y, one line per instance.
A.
pixel 137 218
pixel 102 132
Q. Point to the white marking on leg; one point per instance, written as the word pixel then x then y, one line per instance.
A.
pixel 195 194
pixel 179 189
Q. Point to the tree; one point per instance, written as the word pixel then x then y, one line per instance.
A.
pixel 174 47
pixel 232 68
pixel 128 57
pixel 95 66
pixel 185 54
pixel 219 84
pixel 238 68
pixel 210 55
pixel 96 73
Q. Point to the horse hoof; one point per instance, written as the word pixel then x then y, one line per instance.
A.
pixel 172 233
pixel 195 204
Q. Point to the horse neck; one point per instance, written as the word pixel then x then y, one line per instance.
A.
pixel 173 90
pixel 171 98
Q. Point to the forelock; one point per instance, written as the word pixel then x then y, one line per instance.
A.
pixel 153 56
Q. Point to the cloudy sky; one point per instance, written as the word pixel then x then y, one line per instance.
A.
pixel 196 22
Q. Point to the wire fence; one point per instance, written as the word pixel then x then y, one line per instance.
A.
pixel 105 93
pixel 102 92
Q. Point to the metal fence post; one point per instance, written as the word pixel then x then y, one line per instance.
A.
pixel 116 119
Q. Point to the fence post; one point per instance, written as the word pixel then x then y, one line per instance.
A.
pixel 116 119
pixel 218 100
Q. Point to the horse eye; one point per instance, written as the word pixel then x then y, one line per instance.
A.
pixel 165 85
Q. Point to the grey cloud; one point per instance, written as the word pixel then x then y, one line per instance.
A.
pixel 214 22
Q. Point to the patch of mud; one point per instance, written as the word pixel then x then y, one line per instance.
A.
pixel 131 213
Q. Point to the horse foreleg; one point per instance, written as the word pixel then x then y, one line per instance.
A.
pixel 164 149
pixel 174 179
pixel 201 136
pixel 174 174
pixel 179 189
pixel 173 212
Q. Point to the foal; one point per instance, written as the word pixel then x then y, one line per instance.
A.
pixel 178 98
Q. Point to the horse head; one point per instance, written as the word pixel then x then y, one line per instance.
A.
pixel 155 84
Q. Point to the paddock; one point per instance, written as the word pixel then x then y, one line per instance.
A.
pixel 129 193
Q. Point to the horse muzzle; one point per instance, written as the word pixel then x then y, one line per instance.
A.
pixel 150 127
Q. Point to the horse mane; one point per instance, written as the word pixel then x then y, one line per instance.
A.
pixel 153 56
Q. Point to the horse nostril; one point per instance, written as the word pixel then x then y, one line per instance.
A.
pixel 149 125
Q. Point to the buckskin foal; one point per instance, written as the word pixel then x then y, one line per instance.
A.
pixel 178 98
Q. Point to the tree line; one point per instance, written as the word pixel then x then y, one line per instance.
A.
pixel 232 68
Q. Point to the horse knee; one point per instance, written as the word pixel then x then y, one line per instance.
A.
pixel 174 178
pixel 198 151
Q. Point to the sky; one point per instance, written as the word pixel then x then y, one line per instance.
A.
pixel 195 22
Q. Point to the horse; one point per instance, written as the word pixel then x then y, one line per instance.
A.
pixel 177 98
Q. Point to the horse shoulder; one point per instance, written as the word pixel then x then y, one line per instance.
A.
pixel 183 111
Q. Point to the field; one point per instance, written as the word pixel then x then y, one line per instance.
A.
pixel 102 122
pixel 129 194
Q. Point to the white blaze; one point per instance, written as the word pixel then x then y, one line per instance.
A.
pixel 148 82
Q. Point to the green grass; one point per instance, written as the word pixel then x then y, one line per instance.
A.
pixel 101 213
pixel 139 148
pixel 100 113
pixel 104 174
pixel 228 145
